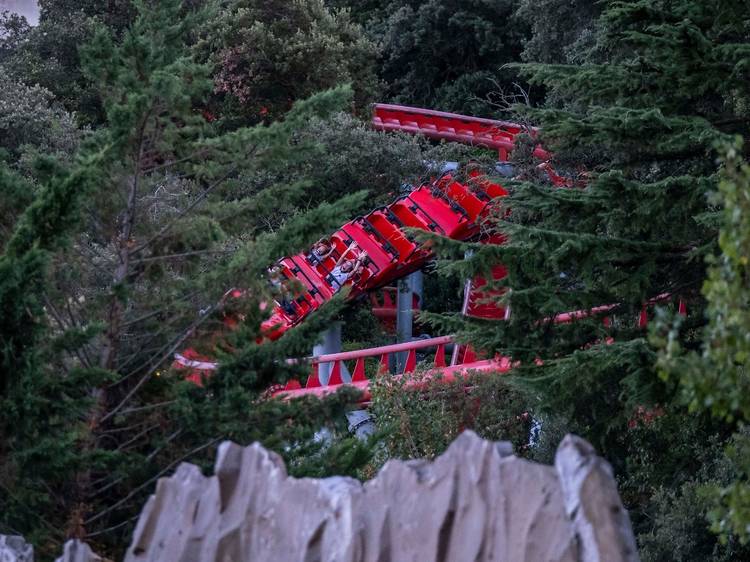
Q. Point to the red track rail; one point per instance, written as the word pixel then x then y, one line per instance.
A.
pixel 476 131
pixel 313 387
pixel 446 207
pixel 440 125
pixel 438 367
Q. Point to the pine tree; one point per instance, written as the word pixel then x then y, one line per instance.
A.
pixel 122 258
pixel 40 410
pixel 715 378
pixel 641 112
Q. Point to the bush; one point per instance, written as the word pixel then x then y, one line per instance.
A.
pixel 421 424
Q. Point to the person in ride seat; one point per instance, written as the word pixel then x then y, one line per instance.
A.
pixel 321 250
pixel 346 267
pixel 283 298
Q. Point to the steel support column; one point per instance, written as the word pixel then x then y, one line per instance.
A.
pixel 407 288
pixel 331 344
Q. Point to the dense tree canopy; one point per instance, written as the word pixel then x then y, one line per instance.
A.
pixel 271 53
pixel 642 110
pixel 443 53
pixel 155 154
pixel 121 255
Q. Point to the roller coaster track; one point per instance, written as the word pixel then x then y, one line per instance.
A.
pixel 444 207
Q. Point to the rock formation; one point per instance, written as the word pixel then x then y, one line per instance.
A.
pixel 15 549
pixel 476 502
pixel 77 551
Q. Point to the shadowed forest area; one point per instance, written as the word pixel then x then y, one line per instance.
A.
pixel 154 154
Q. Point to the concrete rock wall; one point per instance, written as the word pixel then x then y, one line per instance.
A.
pixel 476 502
pixel 77 551
pixel 14 548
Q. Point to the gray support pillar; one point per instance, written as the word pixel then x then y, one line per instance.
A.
pixel 404 318
pixel 331 344
pixel 404 299
pixel 468 286
pixel 416 280
pixel 464 309
pixel 407 288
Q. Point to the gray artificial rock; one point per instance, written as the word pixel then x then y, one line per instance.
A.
pixel 77 551
pixel 476 502
pixel 592 503
pixel 14 548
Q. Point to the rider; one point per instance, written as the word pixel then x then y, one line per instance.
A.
pixel 276 279
pixel 321 250
pixel 346 267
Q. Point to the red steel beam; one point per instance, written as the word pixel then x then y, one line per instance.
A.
pixel 487 132
pixel 446 375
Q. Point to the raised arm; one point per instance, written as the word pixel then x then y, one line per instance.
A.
pixel 342 257
pixel 359 264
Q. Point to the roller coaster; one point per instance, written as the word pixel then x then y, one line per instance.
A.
pixel 381 248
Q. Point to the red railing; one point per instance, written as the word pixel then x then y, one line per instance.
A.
pixel 447 373
pixel 313 387
pixel 447 207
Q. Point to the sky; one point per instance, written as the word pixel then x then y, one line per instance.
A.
pixel 27 8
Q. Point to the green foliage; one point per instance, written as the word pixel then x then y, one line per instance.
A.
pixel 271 53
pixel 350 156
pixel 714 379
pixel 17 192
pixel 731 501
pixel 122 257
pixel 40 423
pixel 422 423
pixel 361 329
pixel 680 532
pixel 641 111
pixel 330 159
pixel 561 31
pixel 634 231
pixel 47 56
pixel 445 53
pixel 13 30
pixel 30 122
pixel 674 459
pixel 119 241
pixel 117 15
pixel 441 292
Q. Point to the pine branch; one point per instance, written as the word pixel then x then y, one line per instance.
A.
pixel 147 407
pixel 148 482
pixel 175 345
pixel 181 255
pixel 64 327
pixel 113 527
pixel 198 200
